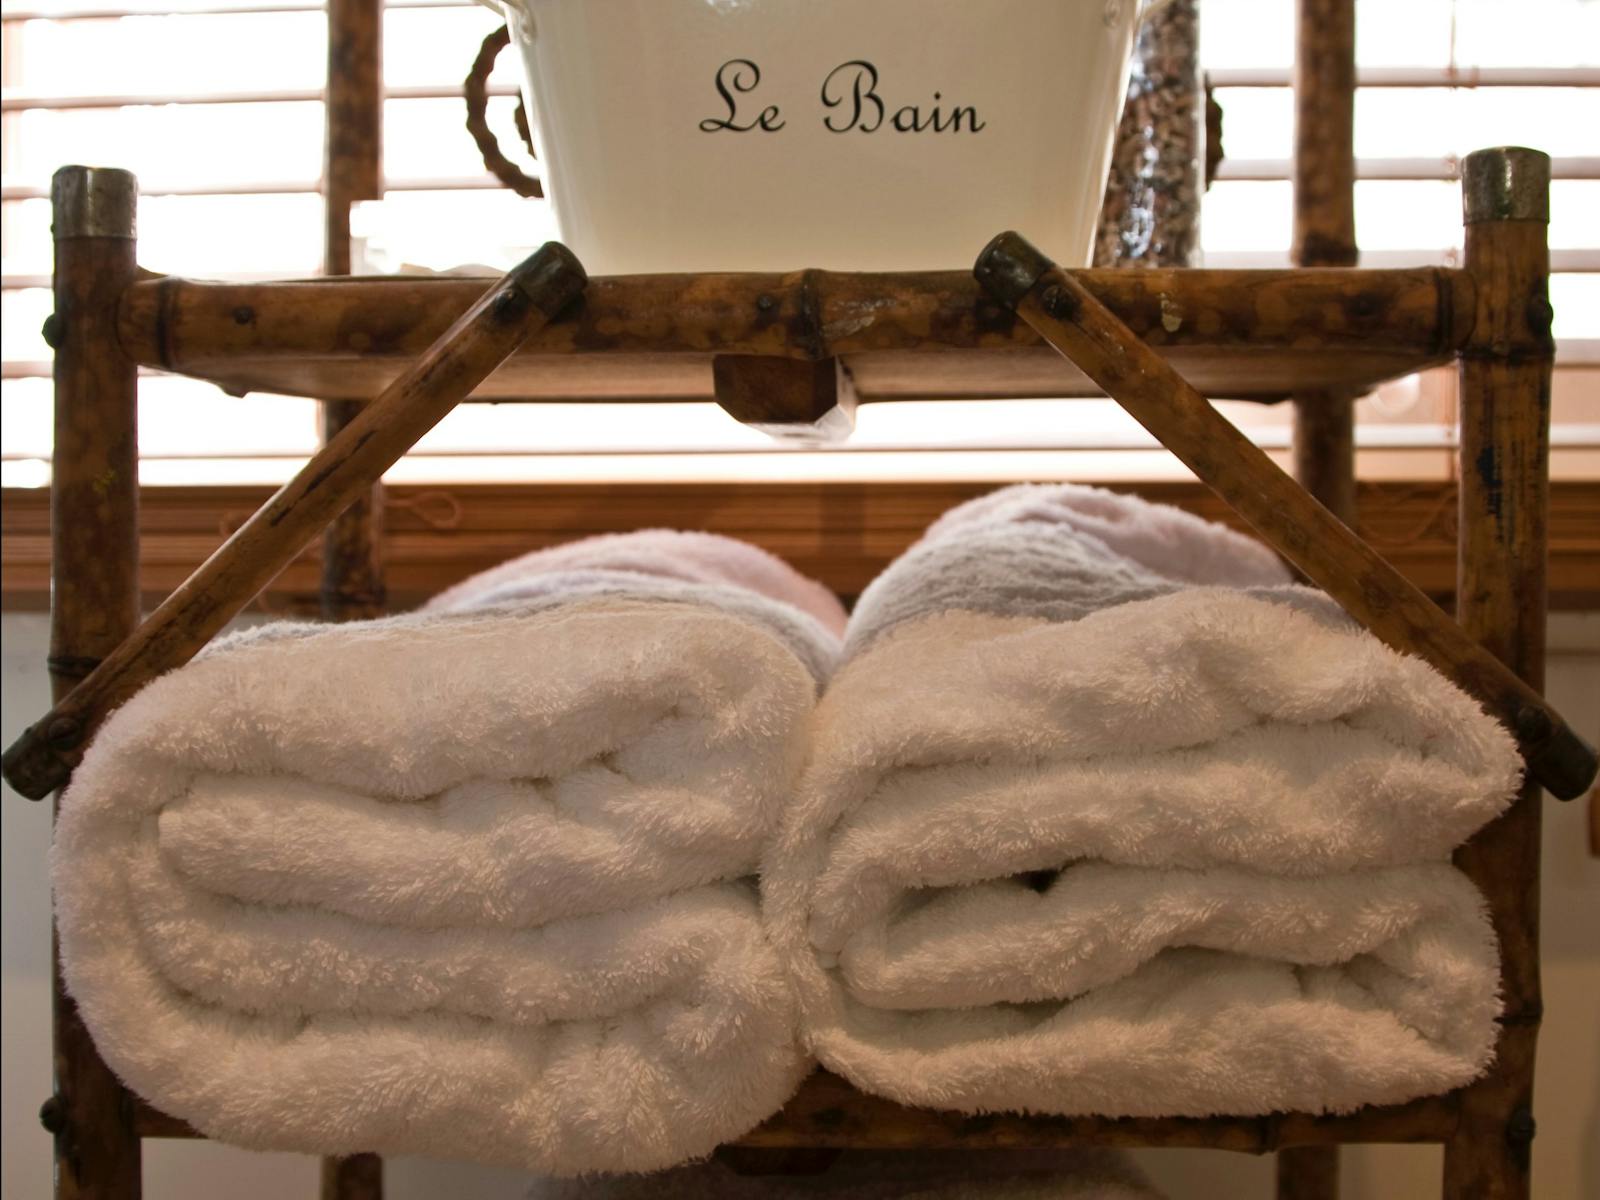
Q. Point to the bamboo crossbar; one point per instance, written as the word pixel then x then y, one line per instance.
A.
pixel 1083 329
pixel 166 320
pixel 1254 334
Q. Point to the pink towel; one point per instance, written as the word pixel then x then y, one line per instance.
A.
pixel 688 557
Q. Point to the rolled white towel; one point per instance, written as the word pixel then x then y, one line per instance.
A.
pixel 471 883
pixel 1080 837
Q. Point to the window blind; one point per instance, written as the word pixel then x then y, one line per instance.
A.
pixel 217 107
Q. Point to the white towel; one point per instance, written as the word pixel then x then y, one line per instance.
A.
pixel 1086 1174
pixel 471 883
pixel 1080 836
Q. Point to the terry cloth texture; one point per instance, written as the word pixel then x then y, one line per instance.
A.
pixel 656 555
pixel 471 883
pixel 1089 1174
pixel 1105 816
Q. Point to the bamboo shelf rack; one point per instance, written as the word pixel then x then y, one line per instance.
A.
pixel 1262 334
pixel 793 354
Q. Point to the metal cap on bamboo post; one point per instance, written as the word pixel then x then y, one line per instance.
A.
pixel 93 202
pixel 1506 183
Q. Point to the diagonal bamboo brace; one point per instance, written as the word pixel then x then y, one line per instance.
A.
pixel 521 303
pixel 1067 316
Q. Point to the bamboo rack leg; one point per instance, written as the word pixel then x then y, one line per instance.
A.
pixel 358 1177
pixel 94 568
pixel 352 585
pixel 1308 1173
pixel 465 355
pixel 1505 492
pixel 1324 435
pixel 352 563
pixel 1324 442
pixel 1325 228
pixel 353 147
pixel 1324 134
pixel 1067 316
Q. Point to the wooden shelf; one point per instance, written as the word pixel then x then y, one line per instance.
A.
pixel 1258 335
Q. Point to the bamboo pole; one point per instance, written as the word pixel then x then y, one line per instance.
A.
pixel 94 604
pixel 1243 334
pixel 352 563
pixel 1500 602
pixel 1067 316
pixel 1323 434
pixel 528 297
pixel 1308 1173
pixel 353 144
pixel 185 325
pixel 356 1177
pixel 1323 440
pixel 1325 236
pixel 352 587
pixel 1324 134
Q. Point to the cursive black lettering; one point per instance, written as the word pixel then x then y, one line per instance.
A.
pixel 963 110
pixel 742 76
pixel 863 86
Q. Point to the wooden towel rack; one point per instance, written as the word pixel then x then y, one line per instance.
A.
pixel 796 352
pixel 1261 333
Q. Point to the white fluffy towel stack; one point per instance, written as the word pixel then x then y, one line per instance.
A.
pixel 471 883
pixel 1106 816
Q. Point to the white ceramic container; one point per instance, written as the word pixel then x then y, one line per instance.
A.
pixel 725 135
